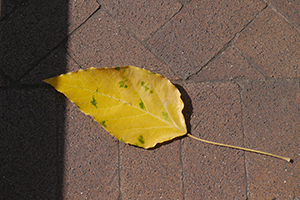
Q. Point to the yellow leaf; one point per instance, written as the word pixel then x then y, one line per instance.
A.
pixel 135 105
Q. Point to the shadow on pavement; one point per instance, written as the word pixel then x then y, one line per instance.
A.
pixel 31 112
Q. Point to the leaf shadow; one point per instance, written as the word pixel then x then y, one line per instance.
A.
pixel 187 113
pixel 158 145
pixel 188 107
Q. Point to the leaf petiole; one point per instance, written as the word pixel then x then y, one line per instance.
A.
pixel 241 148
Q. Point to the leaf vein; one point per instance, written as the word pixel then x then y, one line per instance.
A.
pixel 121 100
pixel 162 102
pixel 142 128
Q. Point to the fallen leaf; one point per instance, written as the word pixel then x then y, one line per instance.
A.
pixel 133 104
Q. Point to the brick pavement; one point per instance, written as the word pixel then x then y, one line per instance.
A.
pixel 235 62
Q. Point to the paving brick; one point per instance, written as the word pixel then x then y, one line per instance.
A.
pixel 57 63
pixel 90 160
pixel 289 9
pixel 184 1
pixel 199 31
pixel 142 17
pixel 272 44
pixel 79 11
pixel 271 123
pixel 212 172
pixel 151 174
pixel 50 150
pixel 102 42
pixel 33 30
pixel 230 64
pixel 28 140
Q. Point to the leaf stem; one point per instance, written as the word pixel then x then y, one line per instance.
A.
pixel 241 148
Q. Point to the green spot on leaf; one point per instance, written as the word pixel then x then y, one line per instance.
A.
pixel 121 140
pixel 151 91
pixel 144 85
pixel 103 123
pixel 97 90
pixel 94 102
pixel 117 68
pixel 122 83
pixel 142 105
pixel 166 116
pixel 141 139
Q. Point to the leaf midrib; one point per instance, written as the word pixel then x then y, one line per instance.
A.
pixel 120 100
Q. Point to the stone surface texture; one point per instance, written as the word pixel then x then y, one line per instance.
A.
pixel 228 65
pixel 211 171
pixel 142 17
pixel 151 174
pixel 271 123
pixel 91 159
pixel 272 44
pixel 202 28
pixel 288 9
pixel 236 64
pixel 90 47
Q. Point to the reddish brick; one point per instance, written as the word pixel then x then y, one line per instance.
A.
pixel 102 42
pixel 289 9
pixel 51 150
pixel 184 1
pixel 90 160
pixel 199 31
pixel 79 11
pixel 271 123
pixel 151 174
pixel 230 64
pixel 272 44
pixel 142 17
pixel 211 171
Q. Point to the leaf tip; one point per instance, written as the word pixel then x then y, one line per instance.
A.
pixel 50 81
pixel 47 80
